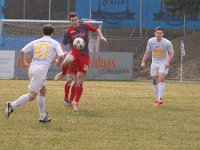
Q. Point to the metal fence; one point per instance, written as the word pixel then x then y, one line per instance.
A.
pixel 37 9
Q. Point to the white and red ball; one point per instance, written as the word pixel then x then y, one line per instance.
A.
pixel 78 43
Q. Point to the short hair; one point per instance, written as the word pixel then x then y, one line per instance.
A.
pixel 73 14
pixel 48 29
pixel 158 28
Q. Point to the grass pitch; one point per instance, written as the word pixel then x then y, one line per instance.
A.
pixel 112 115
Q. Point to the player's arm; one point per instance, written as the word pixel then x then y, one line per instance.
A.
pixel 62 46
pixel 60 54
pixel 23 58
pixel 101 35
pixel 60 59
pixel 146 55
pixel 65 40
pixel 95 29
pixel 171 55
pixel 54 60
pixel 29 47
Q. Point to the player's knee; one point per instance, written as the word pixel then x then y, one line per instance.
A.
pixel 154 81
pixel 32 96
pixel 161 79
pixel 68 60
pixel 69 81
pixel 43 91
pixel 70 78
pixel 79 82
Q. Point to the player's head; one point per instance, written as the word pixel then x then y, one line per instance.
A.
pixel 73 18
pixel 159 33
pixel 48 30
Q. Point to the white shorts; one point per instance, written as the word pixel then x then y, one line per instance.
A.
pixel 157 69
pixel 37 75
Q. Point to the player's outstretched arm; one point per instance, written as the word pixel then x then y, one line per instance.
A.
pixel 60 59
pixel 146 55
pixel 171 55
pixel 101 35
pixel 23 57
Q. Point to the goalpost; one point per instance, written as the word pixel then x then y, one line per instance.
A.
pixel 16 33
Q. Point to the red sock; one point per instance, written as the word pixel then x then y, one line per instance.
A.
pixel 64 69
pixel 78 92
pixel 67 87
pixel 72 94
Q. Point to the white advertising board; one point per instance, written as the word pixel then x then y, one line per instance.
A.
pixel 7 59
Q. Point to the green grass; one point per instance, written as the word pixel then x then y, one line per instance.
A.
pixel 112 115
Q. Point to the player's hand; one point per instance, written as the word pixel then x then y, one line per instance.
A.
pixel 26 64
pixel 65 54
pixel 104 39
pixel 57 63
pixel 53 61
pixel 167 65
pixel 143 65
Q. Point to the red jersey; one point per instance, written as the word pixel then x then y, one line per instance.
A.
pixel 81 31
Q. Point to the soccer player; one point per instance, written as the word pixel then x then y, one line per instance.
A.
pixel 44 49
pixel 71 76
pixel 162 54
pixel 71 72
pixel 82 57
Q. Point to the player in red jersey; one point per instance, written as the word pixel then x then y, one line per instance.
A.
pixel 70 72
pixel 71 76
pixel 82 57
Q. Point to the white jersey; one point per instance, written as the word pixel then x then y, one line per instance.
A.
pixel 159 49
pixel 44 49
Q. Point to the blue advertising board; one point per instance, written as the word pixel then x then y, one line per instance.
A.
pixel 126 13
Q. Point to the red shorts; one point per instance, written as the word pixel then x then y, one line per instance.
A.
pixel 82 60
pixel 72 69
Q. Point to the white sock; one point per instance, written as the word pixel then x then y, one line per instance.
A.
pixel 20 101
pixel 161 88
pixel 156 91
pixel 41 106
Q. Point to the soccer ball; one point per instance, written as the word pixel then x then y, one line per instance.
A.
pixel 78 43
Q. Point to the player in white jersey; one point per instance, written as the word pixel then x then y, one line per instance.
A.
pixel 162 54
pixel 44 49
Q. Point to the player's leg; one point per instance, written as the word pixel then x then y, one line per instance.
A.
pixel 67 61
pixel 72 92
pixel 41 106
pixel 155 86
pixel 61 74
pixel 74 71
pixel 82 69
pixel 155 77
pixel 161 85
pixel 18 102
pixel 71 72
pixel 70 78
pixel 78 89
pixel 33 90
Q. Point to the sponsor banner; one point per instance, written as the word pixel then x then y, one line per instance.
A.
pixel 7 59
pixel 21 72
pixel 103 66
pixel 110 66
pixel 131 13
